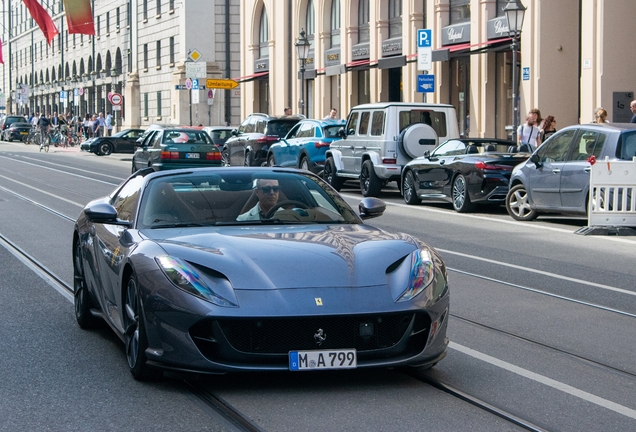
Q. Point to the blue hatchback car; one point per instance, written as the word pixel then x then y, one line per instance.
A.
pixel 305 145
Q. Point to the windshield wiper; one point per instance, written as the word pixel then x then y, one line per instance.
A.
pixel 183 225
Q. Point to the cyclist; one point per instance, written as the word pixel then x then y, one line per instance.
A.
pixel 44 124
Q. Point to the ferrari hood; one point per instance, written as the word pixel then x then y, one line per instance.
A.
pixel 290 256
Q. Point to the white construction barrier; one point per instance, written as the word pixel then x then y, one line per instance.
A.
pixel 613 194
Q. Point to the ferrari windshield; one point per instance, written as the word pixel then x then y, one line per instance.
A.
pixel 241 197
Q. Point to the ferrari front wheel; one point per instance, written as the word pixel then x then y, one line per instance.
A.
pixel 81 297
pixel 135 334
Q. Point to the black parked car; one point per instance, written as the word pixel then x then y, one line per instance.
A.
pixel 7 121
pixel 249 143
pixel 122 142
pixel 173 148
pixel 16 131
pixel 463 172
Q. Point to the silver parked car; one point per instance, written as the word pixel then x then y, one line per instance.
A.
pixel 556 178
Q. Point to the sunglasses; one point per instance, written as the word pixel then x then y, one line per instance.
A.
pixel 268 189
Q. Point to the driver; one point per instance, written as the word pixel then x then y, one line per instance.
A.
pixel 267 194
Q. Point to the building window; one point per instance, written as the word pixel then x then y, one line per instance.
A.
pixel 172 50
pixel 158 7
pixel 145 104
pixel 335 23
pixel 310 23
pixel 158 104
pixel 395 18
pixel 263 35
pixel 117 19
pixel 73 40
pixel 98 26
pixel 145 56
pixel 145 13
pixel 459 11
pixel 363 21
pixel 107 22
pixel 158 53
pixel 171 7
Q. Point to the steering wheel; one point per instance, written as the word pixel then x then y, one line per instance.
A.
pixel 273 210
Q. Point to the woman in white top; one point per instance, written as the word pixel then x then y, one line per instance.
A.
pixel 529 133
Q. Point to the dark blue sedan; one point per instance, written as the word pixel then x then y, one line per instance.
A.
pixel 305 145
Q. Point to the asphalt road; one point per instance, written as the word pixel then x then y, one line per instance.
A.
pixel 541 327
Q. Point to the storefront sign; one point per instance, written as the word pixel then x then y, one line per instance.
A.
pixel 497 28
pixel 392 47
pixel 456 33
pixel 332 57
pixel 360 51
pixel 261 65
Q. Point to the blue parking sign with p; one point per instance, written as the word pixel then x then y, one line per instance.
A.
pixel 424 38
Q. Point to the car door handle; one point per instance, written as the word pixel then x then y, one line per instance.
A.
pixel 442 162
pixel 588 169
pixel 556 171
pixel 351 147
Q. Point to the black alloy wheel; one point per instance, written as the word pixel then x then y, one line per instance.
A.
pixel 271 160
pixel 135 334
pixel 518 205
pixel 247 161
pixel 81 297
pixel 105 149
pixel 409 190
pixel 459 193
pixel 330 175
pixel 370 184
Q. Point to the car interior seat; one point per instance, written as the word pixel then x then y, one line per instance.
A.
pixel 164 205
pixel 512 149
pixel 253 199
pixel 490 148
pixel 525 148
pixel 472 149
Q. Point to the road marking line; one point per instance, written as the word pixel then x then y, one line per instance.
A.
pixel 40 190
pixel 573 391
pixel 66 172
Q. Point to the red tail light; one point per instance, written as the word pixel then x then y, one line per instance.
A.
pixel 319 144
pixel 267 139
pixel 492 167
pixel 169 155
pixel 389 161
pixel 215 156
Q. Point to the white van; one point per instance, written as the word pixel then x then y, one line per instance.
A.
pixel 380 138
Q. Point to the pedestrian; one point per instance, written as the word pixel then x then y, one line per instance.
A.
pixel 102 124
pixel 632 106
pixel 55 119
pixel 600 115
pixel 288 111
pixel 529 133
pixel 109 124
pixel 35 119
pixel 88 126
pixel 95 126
pixel 539 121
pixel 333 115
pixel 549 128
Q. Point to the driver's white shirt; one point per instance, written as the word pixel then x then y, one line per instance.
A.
pixel 253 214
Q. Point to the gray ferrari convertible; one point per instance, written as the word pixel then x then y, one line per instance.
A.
pixel 233 269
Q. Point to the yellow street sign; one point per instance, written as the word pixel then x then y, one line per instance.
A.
pixel 226 84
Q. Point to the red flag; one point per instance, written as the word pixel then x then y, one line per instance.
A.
pixel 79 16
pixel 1 60
pixel 42 18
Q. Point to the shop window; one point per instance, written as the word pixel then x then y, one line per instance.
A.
pixel 395 18
pixel 363 21
pixel 459 11
pixel 310 23
pixel 335 23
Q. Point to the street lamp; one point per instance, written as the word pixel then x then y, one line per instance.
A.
pixel 114 76
pixel 515 12
pixel 302 49
pixel 85 77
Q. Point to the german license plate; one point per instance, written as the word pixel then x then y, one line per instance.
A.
pixel 192 155
pixel 327 359
pixel 24 133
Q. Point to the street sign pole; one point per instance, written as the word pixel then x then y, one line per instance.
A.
pixel 424 53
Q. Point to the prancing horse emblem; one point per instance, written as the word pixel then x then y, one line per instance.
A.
pixel 320 337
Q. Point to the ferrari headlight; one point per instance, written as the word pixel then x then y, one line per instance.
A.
pixel 421 275
pixel 184 277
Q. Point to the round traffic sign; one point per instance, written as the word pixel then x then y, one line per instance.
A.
pixel 188 83
pixel 116 99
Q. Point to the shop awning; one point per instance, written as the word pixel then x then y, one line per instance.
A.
pixel 252 77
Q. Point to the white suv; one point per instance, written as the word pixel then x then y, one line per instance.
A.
pixel 380 138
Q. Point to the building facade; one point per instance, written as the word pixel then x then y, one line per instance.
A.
pixel 139 51
pixel 569 61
